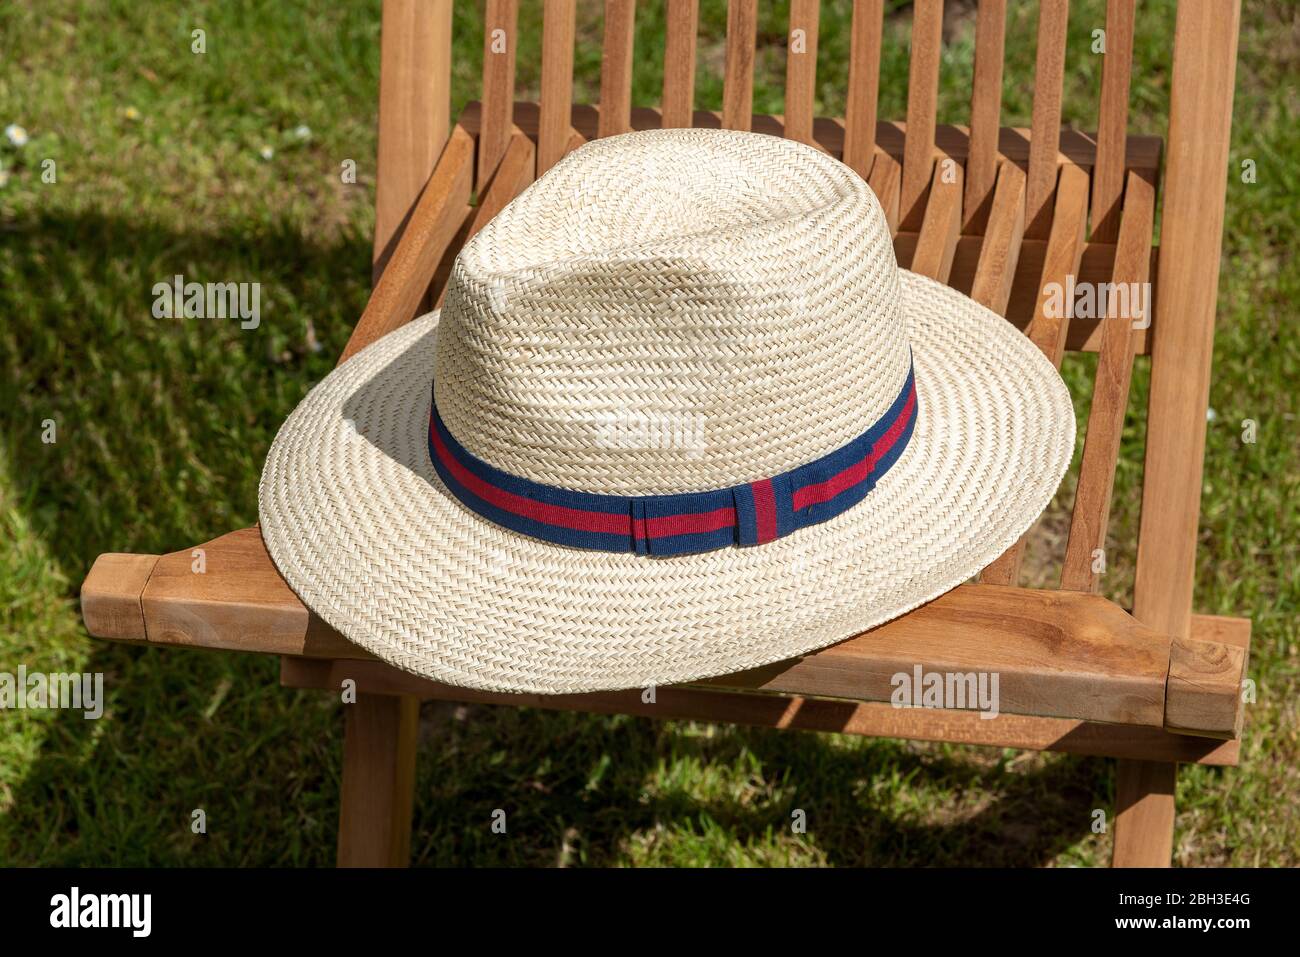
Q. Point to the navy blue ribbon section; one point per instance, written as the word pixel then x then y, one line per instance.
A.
pixel 748 514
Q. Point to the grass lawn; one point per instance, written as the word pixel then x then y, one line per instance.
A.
pixel 225 167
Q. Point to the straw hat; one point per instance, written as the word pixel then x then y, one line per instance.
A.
pixel 681 415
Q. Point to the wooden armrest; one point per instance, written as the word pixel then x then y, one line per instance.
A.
pixel 425 240
pixel 1057 654
pixel 238 602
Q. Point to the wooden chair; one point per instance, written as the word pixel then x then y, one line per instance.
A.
pixel 998 213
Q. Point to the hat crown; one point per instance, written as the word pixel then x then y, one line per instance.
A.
pixel 673 311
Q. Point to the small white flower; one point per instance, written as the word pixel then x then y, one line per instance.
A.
pixel 266 152
pixel 1210 414
pixel 302 132
pixel 16 135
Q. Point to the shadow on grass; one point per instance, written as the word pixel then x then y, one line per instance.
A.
pixel 615 790
pixel 161 430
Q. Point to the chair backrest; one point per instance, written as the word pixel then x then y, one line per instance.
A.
pixel 1028 205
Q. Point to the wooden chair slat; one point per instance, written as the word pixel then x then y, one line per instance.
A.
pixel 985 115
pixel 937 242
pixel 616 68
pixel 801 70
pixel 1083 333
pixel 864 86
pixel 1045 127
pixel 1064 253
pixel 886 182
pixel 1112 126
pixel 796 713
pixel 922 103
pixel 1000 247
pixel 1048 331
pixel 738 80
pixel 1191 233
pixel 428 236
pixel 442 274
pixel 1200 118
pixel 499 42
pixel 1144 152
pixel 556 100
pixel 1110 393
pixel 414 112
pixel 514 173
pixel 683 24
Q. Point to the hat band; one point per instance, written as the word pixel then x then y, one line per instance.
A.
pixel 749 514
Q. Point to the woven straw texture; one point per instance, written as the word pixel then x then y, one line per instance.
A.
pixel 735 298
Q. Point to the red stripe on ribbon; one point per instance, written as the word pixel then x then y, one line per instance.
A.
pixel 612 523
pixel 827 490
pixel 764 510
pixel 693 523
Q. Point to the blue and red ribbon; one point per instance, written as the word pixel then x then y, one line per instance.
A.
pixel 748 514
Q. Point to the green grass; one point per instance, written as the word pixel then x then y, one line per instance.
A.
pixel 162 427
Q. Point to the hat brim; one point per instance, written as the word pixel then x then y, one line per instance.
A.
pixel 364 531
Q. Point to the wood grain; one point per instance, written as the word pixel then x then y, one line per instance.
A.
pixel 937 242
pixel 1200 117
pixel 1047 329
pixel 738 78
pixel 1110 394
pixel 616 68
pixel 1058 654
pixel 500 39
pixel 886 182
pixel 1077 147
pixel 433 226
pixel 1144 813
pixel 922 101
pixel 801 70
pixel 1044 140
pixel 682 26
pixel 238 602
pixel 795 713
pixel 985 115
pixel 110 595
pixel 377 794
pixel 1203 695
pixel 556 97
pixel 1083 333
pixel 414 111
pixel 513 175
pixel 1112 124
pixel 1205 56
pixel 864 86
pixel 1000 248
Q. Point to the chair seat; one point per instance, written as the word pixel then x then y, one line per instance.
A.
pixel 1063 655
pixel 1073 671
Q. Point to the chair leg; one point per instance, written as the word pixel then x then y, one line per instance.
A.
pixel 1144 821
pixel 378 781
